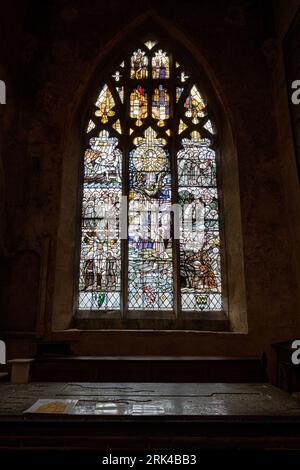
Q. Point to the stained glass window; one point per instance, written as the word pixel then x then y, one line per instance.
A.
pixel 150 231
pixel 161 105
pixel 100 244
pixel 194 105
pixel 149 247
pixel 139 65
pixel 160 65
pixel 105 103
pixel 138 105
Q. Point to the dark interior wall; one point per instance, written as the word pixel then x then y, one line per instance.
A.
pixel 47 49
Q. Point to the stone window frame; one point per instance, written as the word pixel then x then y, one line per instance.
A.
pixel 234 317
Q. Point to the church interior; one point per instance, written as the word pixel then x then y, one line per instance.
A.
pixel 123 333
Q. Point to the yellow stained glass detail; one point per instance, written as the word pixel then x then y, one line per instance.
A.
pixel 198 138
pixel 194 105
pixel 150 138
pixel 105 103
pixel 117 126
pixel 139 65
pixel 138 105
pixel 150 44
pixel 149 155
pixel 182 126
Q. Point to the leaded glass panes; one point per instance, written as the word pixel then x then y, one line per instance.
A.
pixel 138 105
pixel 160 65
pixel 182 126
pixel 117 76
pixel 91 126
pixel 150 44
pixel 120 90
pixel 150 284
pixel 209 127
pixel 200 262
pixel 179 91
pixel 151 156
pixel 117 126
pixel 139 65
pixel 99 281
pixel 105 103
pixel 194 105
pixel 161 105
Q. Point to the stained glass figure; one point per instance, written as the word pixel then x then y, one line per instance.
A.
pixel 132 148
pixel 160 65
pixel 138 105
pixel 139 65
pixel 161 105
pixel 99 282
pixel 150 244
pixel 194 105
pixel 105 103
pixel 197 165
pixel 200 263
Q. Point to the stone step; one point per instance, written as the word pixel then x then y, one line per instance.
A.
pixel 50 367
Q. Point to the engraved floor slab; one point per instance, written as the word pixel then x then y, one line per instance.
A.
pixel 97 400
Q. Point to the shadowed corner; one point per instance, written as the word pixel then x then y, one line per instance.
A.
pixel 2 352
pixel 2 92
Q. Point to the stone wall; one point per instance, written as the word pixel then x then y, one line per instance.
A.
pixel 49 51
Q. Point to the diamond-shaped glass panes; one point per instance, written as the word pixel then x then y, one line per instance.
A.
pixel 99 282
pixel 200 262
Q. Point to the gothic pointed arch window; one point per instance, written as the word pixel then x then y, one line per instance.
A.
pixel 150 232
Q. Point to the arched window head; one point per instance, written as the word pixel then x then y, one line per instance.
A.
pixel 150 241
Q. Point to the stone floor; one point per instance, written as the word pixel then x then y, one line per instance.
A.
pixel 142 399
pixel 150 415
